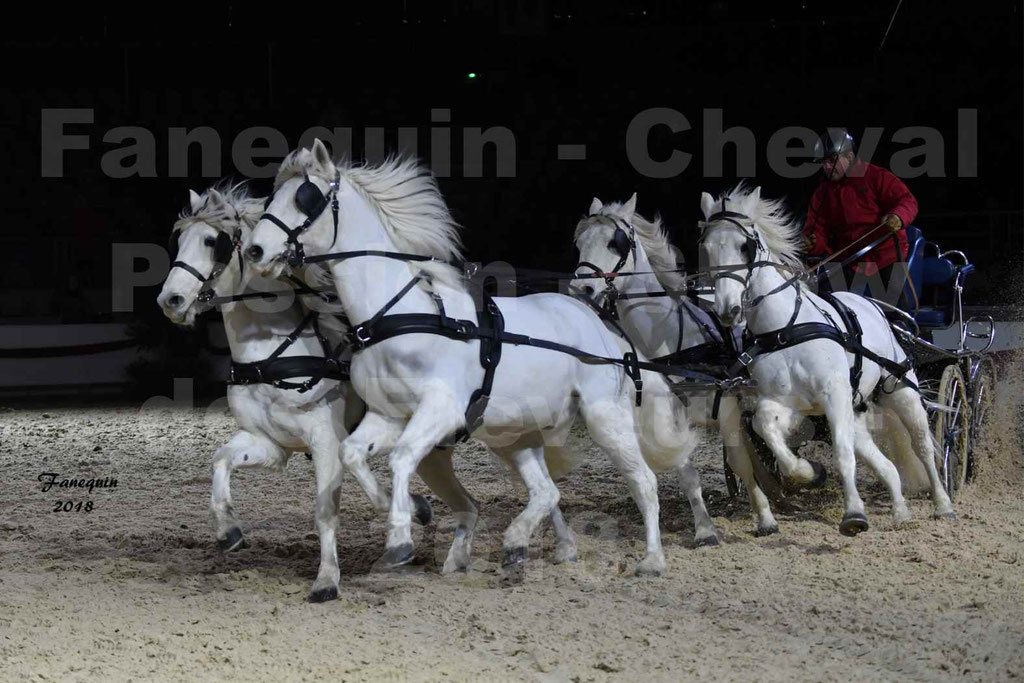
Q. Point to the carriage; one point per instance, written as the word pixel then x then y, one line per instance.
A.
pixel 965 374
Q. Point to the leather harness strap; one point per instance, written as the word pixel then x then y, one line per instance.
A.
pixel 277 371
pixel 799 333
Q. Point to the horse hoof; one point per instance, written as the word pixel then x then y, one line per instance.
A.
pixel 652 565
pixel 652 572
pixel 513 557
pixel 234 540
pixel 945 515
pixel 324 594
pixel 455 566
pixel 512 575
pixel 766 531
pixel 396 557
pixel 422 510
pixel 853 523
pixel 820 475
pixel 569 554
pixel 708 541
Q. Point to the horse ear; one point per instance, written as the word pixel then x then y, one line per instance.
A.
pixel 215 199
pixel 755 196
pixel 322 157
pixel 595 206
pixel 629 208
pixel 195 201
pixel 707 204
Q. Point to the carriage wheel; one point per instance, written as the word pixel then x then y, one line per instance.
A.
pixel 981 400
pixel 952 429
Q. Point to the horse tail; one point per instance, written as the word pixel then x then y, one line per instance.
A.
pixel 666 439
pixel 561 460
pixel 896 437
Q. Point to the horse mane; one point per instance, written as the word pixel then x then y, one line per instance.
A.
pixel 238 205
pixel 406 198
pixel 652 236
pixel 781 231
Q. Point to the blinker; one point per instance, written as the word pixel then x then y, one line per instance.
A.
pixel 309 199
pixel 620 243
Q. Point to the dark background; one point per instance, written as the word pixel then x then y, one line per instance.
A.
pixel 553 71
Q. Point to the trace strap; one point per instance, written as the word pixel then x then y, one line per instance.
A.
pixel 490 330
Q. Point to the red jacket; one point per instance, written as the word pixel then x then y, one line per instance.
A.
pixel 841 211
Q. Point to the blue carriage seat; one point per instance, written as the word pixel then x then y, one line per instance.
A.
pixel 930 291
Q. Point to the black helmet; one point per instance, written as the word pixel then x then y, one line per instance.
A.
pixel 833 142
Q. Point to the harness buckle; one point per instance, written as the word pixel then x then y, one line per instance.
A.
pixel 361 336
pixel 745 359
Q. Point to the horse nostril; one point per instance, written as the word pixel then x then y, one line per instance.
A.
pixel 254 253
pixel 735 312
pixel 588 290
pixel 175 300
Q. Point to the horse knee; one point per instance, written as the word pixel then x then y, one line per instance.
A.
pixel 353 455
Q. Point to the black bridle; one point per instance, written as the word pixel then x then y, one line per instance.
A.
pixel 624 244
pixel 222 251
pixel 754 246
pixel 311 201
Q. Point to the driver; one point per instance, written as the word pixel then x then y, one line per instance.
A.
pixel 853 198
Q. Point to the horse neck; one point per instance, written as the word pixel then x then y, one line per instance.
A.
pixel 252 331
pixel 366 284
pixel 653 322
pixel 775 311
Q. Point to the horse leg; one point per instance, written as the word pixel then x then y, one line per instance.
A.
pixel 867 451
pixel 437 416
pixel 375 434
pixel 774 421
pixel 611 426
pixel 905 402
pixel 839 411
pixel 329 473
pixel 705 533
pixel 543 499
pixel 437 472
pixel 565 548
pixel 243 449
pixel 738 452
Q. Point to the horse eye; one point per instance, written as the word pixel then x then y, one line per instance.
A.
pixel 743 249
pixel 210 241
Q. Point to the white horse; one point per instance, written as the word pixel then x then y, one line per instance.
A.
pixel 422 383
pixel 661 324
pixel 744 239
pixel 274 422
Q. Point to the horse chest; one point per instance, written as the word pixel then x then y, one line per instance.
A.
pixel 270 411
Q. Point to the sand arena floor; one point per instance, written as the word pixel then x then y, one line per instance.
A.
pixel 136 590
